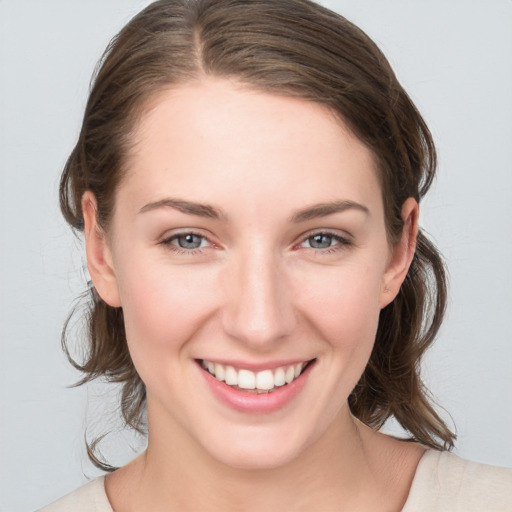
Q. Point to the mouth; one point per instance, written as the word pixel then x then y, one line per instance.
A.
pixel 261 382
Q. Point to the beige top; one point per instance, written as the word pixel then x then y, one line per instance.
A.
pixel 443 483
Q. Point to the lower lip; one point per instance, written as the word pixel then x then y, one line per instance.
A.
pixel 263 403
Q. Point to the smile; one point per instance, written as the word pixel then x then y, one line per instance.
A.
pixel 264 381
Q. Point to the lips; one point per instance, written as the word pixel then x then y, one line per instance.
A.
pixel 254 399
pixel 264 381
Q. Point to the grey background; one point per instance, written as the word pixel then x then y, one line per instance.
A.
pixel 454 58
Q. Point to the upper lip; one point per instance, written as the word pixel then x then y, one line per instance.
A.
pixel 256 367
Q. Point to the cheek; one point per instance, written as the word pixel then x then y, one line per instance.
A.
pixel 344 304
pixel 343 309
pixel 163 308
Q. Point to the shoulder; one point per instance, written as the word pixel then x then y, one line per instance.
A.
pixel 446 482
pixel 89 498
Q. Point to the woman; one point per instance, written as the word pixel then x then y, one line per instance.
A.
pixel 247 179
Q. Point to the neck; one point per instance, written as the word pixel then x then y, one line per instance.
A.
pixel 176 473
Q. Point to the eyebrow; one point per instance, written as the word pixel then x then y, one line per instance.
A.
pixel 324 209
pixel 205 210
pixel 188 207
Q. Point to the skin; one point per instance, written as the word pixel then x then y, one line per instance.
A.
pixel 256 290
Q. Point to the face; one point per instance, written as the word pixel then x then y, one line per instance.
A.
pixel 248 251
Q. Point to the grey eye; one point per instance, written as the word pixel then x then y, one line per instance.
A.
pixel 320 241
pixel 189 241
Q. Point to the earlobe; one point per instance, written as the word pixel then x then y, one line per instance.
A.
pixel 99 256
pixel 402 253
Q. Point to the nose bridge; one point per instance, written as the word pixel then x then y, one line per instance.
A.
pixel 259 311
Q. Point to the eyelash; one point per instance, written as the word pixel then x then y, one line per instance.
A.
pixel 168 243
pixel 341 244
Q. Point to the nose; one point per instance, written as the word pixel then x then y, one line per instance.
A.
pixel 259 310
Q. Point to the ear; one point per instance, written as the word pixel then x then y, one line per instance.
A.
pixel 99 256
pixel 401 254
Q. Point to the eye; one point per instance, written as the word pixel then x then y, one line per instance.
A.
pixel 320 241
pixel 189 241
pixel 325 242
pixel 186 242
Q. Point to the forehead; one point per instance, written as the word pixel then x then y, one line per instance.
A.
pixel 216 140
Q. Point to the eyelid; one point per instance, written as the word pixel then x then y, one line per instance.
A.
pixel 344 242
pixel 344 239
pixel 182 232
pixel 335 233
pixel 167 241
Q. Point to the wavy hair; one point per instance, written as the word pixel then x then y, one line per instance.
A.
pixel 288 47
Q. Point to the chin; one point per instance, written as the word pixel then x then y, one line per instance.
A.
pixel 256 450
pixel 252 458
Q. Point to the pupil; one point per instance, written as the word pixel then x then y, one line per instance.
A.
pixel 320 241
pixel 189 241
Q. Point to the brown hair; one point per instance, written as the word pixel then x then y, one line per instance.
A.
pixel 288 47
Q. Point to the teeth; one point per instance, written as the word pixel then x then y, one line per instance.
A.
pixel 279 378
pixel 246 379
pixel 231 376
pixel 263 381
pixel 220 373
